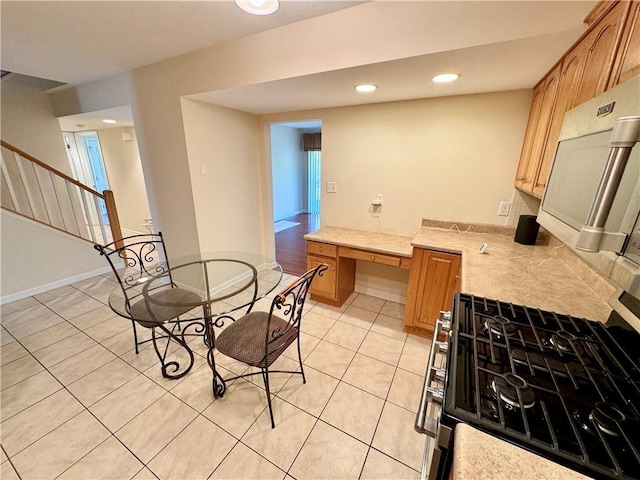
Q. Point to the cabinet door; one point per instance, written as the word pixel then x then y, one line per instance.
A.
pixel 325 285
pixel 431 286
pixel 542 131
pixel 522 182
pixel 540 135
pixel 599 48
pixel 628 60
pixel 569 75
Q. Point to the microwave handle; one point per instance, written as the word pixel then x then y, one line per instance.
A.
pixel 592 237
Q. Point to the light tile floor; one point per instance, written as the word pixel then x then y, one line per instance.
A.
pixel 78 403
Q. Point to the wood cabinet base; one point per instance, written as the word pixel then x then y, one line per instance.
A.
pixel 418 331
pixel 338 282
pixel 433 278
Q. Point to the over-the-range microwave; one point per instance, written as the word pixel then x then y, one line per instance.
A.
pixel 592 198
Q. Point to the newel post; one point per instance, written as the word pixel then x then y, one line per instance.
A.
pixel 114 221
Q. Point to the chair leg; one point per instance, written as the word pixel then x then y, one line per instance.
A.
pixel 135 336
pixel 304 380
pixel 265 377
pixel 170 368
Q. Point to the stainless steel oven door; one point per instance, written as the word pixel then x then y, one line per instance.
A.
pixel 429 410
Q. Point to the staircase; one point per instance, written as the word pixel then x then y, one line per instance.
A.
pixel 32 189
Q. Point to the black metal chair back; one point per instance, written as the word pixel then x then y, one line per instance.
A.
pixel 142 255
pixel 288 305
pixel 259 338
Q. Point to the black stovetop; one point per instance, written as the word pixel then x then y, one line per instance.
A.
pixel 563 387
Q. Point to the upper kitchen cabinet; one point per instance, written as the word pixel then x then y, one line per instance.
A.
pixel 544 95
pixel 598 48
pixel 627 63
pixel 581 74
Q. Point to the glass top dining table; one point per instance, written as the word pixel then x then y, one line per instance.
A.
pixel 225 281
pixel 226 284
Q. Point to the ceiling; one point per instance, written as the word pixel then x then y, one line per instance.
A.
pixel 76 42
pixel 79 41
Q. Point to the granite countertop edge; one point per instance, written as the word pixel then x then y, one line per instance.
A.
pixel 386 243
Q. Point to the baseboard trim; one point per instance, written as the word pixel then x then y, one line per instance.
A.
pixel 392 297
pixel 50 286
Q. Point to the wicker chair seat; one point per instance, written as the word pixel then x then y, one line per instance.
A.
pixel 244 340
pixel 150 314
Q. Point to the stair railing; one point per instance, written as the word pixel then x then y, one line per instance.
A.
pixel 32 189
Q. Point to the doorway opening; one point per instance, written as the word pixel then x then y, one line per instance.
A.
pixel 87 163
pixel 296 181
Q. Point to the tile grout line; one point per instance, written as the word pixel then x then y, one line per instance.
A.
pixel 144 374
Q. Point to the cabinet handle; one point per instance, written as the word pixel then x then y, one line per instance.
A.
pixel 321 248
pixel 520 178
pixel 457 277
pixel 373 258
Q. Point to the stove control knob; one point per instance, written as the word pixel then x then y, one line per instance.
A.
pixel 438 396
pixel 443 347
pixel 440 374
pixel 445 321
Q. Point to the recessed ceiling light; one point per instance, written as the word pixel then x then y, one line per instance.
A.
pixel 446 77
pixel 366 88
pixel 258 7
pixel 108 120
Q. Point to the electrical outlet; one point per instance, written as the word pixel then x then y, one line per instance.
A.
pixel 332 187
pixel 503 209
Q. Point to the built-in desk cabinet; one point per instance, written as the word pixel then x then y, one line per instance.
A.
pixel 433 278
pixel 337 283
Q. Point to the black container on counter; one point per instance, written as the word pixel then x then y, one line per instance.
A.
pixel 527 231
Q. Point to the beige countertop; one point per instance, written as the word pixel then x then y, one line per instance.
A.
pixel 374 241
pixel 481 456
pixel 533 275
pixel 536 276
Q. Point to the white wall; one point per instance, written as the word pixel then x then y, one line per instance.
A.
pixel 28 122
pixel 448 158
pixel 225 178
pixel 126 180
pixel 289 168
pixel 36 258
pixel 356 36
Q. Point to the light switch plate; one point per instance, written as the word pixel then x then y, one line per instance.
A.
pixel 332 187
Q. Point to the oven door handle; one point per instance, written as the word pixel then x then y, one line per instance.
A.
pixel 425 423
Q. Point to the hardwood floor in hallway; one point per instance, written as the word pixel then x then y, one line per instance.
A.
pixel 291 250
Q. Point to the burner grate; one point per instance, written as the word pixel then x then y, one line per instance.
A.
pixel 555 384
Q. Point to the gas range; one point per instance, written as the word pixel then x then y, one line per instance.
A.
pixel 563 387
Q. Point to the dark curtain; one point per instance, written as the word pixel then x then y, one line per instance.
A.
pixel 312 142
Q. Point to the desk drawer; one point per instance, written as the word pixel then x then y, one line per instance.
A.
pixel 370 256
pixel 324 249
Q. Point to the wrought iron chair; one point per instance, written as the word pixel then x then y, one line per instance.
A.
pixel 259 338
pixel 145 256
